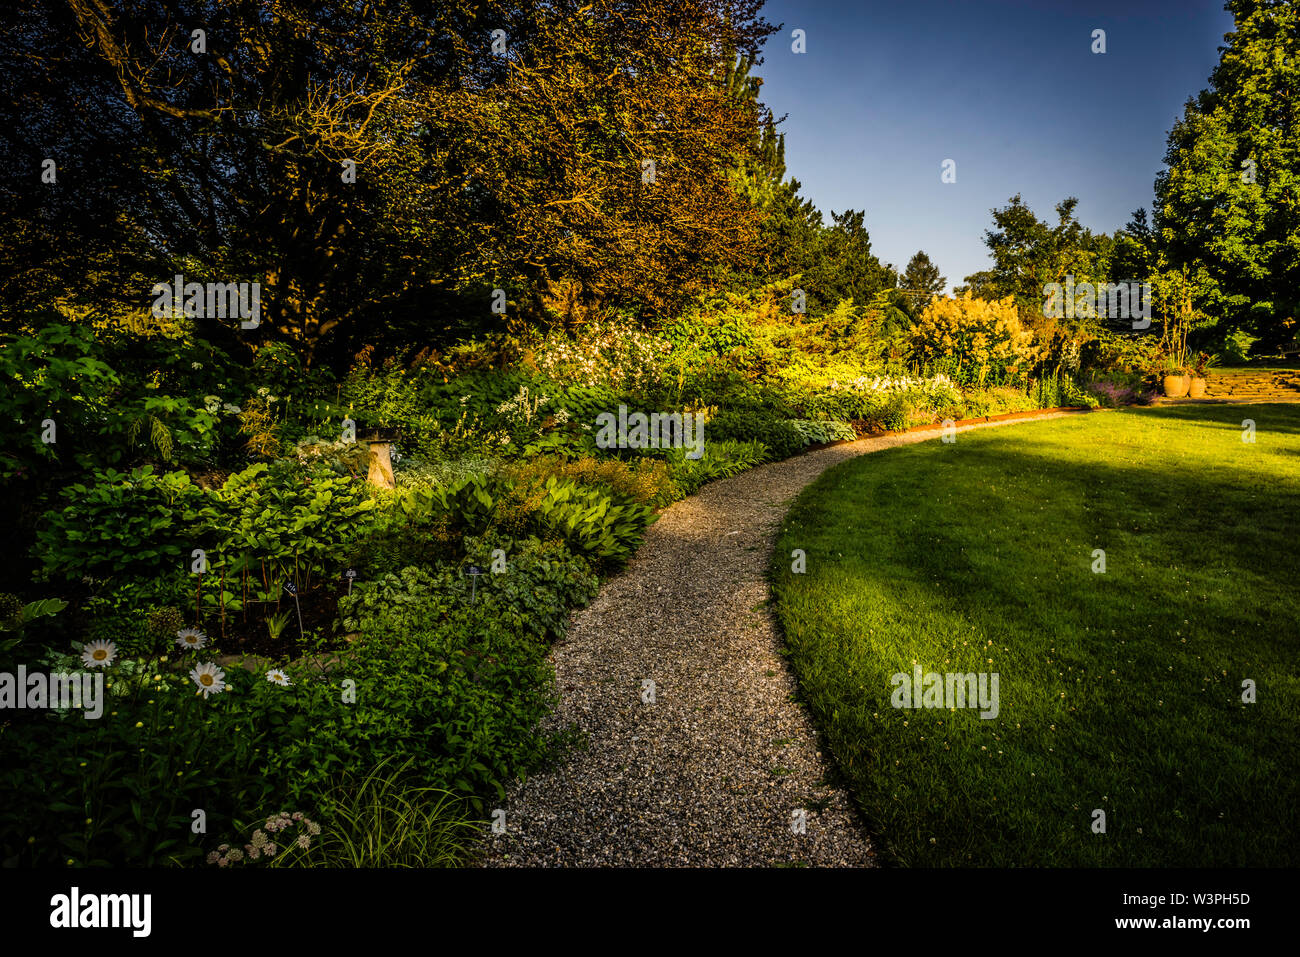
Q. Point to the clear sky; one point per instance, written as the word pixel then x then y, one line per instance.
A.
pixel 1008 89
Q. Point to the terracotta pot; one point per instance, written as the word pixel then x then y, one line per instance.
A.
pixel 1197 388
pixel 1176 386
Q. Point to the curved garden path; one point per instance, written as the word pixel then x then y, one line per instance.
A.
pixel 711 771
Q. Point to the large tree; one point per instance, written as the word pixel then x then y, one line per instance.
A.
pixel 516 159
pixel 1230 197
pixel 1028 254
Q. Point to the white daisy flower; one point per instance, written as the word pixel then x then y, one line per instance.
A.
pixel 191 639
pixel 98 654
pixel 209 678
pixel 278 677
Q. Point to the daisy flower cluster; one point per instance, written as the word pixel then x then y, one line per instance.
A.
pixel 207 676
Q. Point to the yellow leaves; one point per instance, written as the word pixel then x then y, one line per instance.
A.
pixel 975 330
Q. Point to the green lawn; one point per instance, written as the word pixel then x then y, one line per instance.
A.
pixel 1119 690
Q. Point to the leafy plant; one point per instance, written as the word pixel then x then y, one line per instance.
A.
pixel 383 818
pixel 275 624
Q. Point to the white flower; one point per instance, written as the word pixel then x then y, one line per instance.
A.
pixel 196 365
pixel 209 678
pixel 263 391
pixel 191 639
pixel 278 677
pixel 98 654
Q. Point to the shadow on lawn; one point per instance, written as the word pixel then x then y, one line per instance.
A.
pixel 1191 522
pixel 1267 416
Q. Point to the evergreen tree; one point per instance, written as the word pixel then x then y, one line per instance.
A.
pixel 921 280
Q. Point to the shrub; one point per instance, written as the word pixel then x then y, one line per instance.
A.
pixel 720 459
pixel 449 682
pixel 615 354
pixel 123 524
pixel 781 438
pixel 984 340
pixel 822 432
pixel 1236 347
pixel 597 523
pixel 643 479
pixel 417 472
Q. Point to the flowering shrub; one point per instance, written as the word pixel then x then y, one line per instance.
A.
pixel 615 354
pixel 936 391
pixel 524 419
pixel 1113 394
pixel 976 336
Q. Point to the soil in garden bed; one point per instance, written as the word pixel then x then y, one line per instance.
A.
pixel 251 637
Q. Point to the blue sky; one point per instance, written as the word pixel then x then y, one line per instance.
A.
pixel 1008 89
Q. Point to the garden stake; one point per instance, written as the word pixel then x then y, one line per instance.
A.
pixel 474 572
pixel 292 589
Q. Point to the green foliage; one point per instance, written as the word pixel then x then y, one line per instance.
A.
pixel 1226 198
pixel 921 280
pixel 823 431
pixel 123 524
pixel 593 521
pixel 721 458
pixel 297 528
pixel 121 788
pixel 1028 254
pixel 781 438
pixel 439 678
pixel 383 819
pixel 1236 347
pixel 55 373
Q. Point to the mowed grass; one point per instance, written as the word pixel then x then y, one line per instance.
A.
pixel 1120 691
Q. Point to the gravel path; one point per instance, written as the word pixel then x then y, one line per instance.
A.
pixel 712 772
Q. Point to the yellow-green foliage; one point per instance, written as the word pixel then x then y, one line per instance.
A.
pixel 645 479
pixel 978 334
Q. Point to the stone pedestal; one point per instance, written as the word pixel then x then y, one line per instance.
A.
pixel 381 457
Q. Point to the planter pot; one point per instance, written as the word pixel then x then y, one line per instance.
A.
pixel 1197 388
pixel 1176 386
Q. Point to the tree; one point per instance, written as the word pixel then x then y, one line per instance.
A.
pixel 921 280
pixel 1134 258
pixel 1029 254
pixel 1230 197
pixel 478 164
